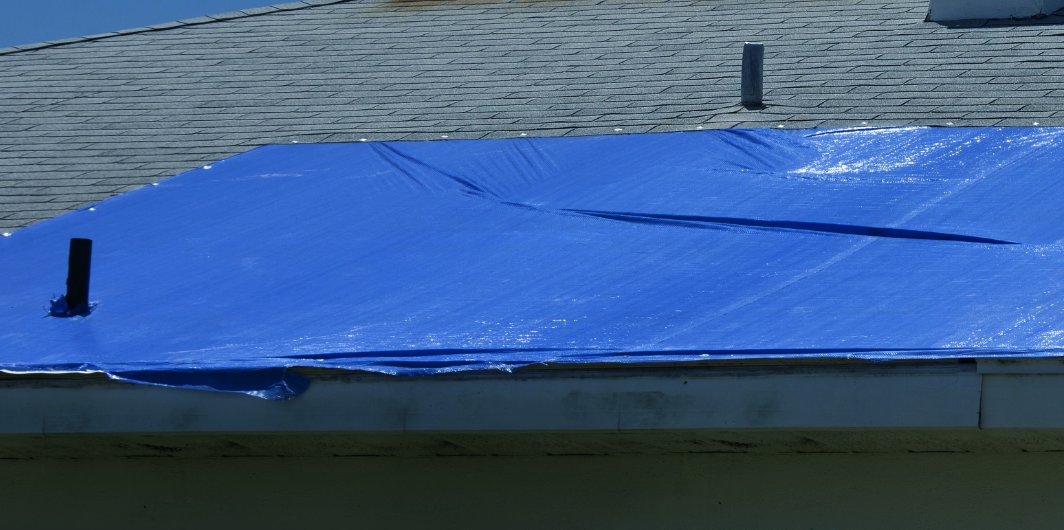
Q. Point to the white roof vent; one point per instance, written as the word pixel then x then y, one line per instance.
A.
pixel 941 10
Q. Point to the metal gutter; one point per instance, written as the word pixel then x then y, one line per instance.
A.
pixel 839 407
pixel 935 395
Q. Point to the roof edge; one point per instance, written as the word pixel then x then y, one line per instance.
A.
pixel 207 19
pixel 932 396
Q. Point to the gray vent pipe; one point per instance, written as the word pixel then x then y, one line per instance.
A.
pixel 753 70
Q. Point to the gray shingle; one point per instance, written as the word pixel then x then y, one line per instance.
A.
pixel 90 117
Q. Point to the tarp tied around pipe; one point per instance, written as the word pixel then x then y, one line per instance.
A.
pixel 415 258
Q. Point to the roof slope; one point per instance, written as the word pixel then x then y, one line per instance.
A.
pixel 422 258
pixel 89 119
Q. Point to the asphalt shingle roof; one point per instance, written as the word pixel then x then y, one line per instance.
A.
pixel 85 119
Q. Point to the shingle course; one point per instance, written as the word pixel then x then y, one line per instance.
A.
pixel 86 118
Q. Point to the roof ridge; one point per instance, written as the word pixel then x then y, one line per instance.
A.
pixel 206 19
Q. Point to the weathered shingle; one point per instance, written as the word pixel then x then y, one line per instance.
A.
pixel 90 118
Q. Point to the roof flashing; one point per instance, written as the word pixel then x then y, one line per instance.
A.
pixel 947 10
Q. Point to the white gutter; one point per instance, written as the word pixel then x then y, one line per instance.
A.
pixel 989 406
pixel 988 395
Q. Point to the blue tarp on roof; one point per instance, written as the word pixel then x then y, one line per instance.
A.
pixel 416 258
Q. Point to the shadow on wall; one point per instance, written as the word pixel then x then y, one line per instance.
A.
pixel 752 492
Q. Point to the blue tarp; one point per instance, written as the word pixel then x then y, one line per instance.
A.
pixel 415 258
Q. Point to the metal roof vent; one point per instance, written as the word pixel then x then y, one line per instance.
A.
pixel 942 10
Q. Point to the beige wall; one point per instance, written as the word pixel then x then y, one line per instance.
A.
pixel 690 491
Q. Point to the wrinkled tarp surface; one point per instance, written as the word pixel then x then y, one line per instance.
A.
pixel 415 258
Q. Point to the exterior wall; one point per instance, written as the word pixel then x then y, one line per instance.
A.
pixel 848 491
pixel 943 10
